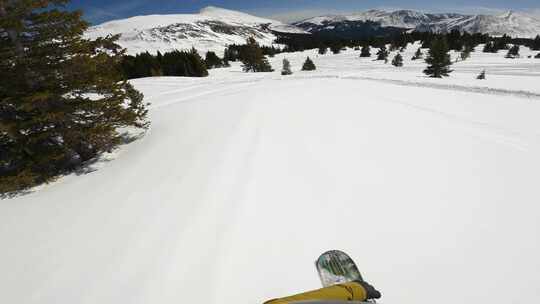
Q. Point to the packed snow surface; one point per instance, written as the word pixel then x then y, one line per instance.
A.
pixel 244 179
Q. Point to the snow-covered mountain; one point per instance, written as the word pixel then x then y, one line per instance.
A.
pixel 510 23
pixel 214 28
pixel 211 29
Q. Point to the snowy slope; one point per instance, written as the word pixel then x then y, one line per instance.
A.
pixel 244 179
pixel 212 29
pixel 510 23
pixel 401 18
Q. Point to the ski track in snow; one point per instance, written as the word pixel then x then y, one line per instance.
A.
pixel 231 89
pixel 244 179
pixel 482 90
pixel 481 130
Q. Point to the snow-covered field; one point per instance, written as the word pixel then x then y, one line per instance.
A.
pixel 244 179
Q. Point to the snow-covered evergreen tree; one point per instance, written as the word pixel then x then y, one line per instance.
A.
pixel 336 48
pixel 489 47
pixel 398 60
pixel 308 65
pixel 286 70
pixel 536 43
pixel 466 52
pixel 365 52
pixel 438 59
pixel 482 75
pixel 254 60
pixel 513 52
pixel 382 53
pixel 418 54
pixel 49 124
pixel 213 61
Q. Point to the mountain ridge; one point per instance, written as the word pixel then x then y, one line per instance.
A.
pixel 512 23
pixel 212 29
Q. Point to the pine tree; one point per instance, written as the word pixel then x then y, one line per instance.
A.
pixel 197 64
pixel 536 43
pixel 308 65
pixel 229 55
pixel 482 75
pixel 286 70
pixel 181 63
pixel 335 48
pixel 418 54
pixel 470 45
pixel 454 40
pixel 497 44
pixel 489 47
pixel 141 65
pixel 322 50
pixel 382 54
pixel 253 59
pixel 513 52
pixel 466 52
pixel 502 42
pixel 62 97
pixel 398 60
pixel 213 61
pixel 365 51
pixel 438 59
pixel 463 55
pixel 175 63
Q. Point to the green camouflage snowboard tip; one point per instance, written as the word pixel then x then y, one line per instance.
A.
pixel 335 267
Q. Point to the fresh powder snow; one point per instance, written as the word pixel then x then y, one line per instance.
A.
pixel 431 185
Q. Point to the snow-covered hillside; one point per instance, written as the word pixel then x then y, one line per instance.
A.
pixel 431 185
pixel 215 28
pixel 212 29
pixel 511 23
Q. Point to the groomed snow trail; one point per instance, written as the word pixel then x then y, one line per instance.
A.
pixel 240 185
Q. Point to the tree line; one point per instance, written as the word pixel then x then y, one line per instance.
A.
pixel 174 63
pixel 254 56
pixel 455 39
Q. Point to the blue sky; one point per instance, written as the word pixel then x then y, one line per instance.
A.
pixel 97 11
